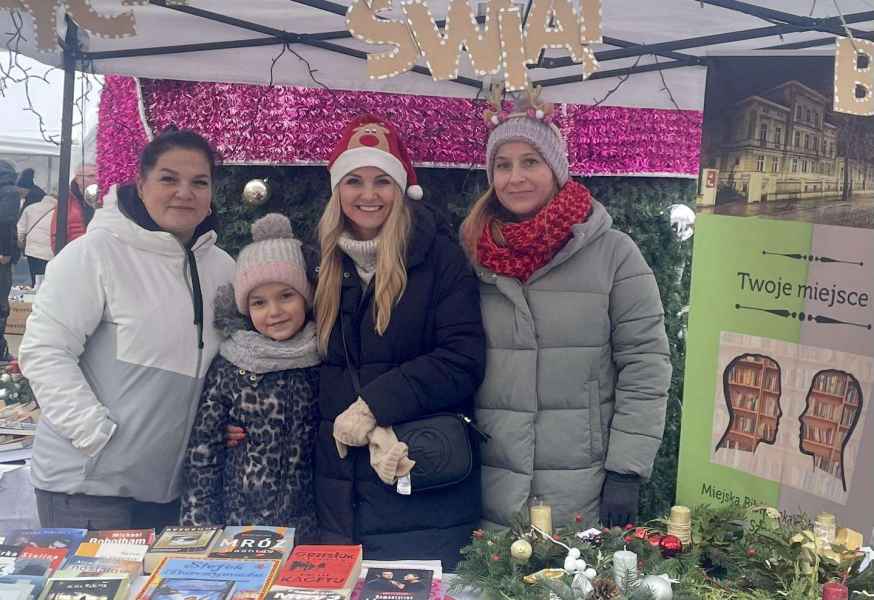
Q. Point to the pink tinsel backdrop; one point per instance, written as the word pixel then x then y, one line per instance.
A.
pixel 251 124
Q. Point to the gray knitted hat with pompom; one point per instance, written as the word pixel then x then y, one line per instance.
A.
pixel 274 256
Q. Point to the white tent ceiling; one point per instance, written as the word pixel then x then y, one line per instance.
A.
pixel 165 23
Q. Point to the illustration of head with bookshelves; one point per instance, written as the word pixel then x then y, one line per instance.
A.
pixel 751 389
pixel 834 405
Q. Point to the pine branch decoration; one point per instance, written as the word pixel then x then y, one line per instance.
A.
pixel 605 589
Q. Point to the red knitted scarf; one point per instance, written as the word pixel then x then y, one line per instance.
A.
pixel 532 243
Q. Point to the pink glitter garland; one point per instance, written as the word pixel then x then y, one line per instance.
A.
pixel 251 124
pixel 120 133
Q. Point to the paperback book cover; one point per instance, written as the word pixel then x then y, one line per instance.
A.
pixel 119 551
pixel 334 568
pixel 255 542
pixel 138 537
pixel 33 571
pixel 91 566
pixel 8 556
pixel 16 591
pixel 190 542
pixel 106 588
pixel 250 579
pixel 405 584
pixel 55 556
pixel 277 593
pixel 194 589
pixel 47 538
pixel 371 569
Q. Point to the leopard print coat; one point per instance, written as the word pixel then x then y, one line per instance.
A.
pixel 268 478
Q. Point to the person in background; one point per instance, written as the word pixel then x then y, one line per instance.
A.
pixel 578 364
pixel 10 201
pixel 32 192
pixel 79 211
pixel 119 342
pixel 264 379
pixel 35 235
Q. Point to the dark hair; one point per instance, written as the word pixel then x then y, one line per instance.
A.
pixel 25 179
pixel 170 139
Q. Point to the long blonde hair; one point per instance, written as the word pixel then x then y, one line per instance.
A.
pixel 486 211
pixel 391 265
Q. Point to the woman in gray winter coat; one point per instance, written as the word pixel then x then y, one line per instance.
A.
pixel 577 367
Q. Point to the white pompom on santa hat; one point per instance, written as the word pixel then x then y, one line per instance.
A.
pixel 369 141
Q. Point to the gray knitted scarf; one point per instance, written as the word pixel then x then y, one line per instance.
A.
pixel 259 354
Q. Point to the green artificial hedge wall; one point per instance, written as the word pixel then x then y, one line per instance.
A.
pixel 638 206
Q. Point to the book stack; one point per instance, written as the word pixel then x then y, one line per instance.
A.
pixel 183 542
pixel 318 573
pixel 210 579
pixel 31 556
pixel 17 428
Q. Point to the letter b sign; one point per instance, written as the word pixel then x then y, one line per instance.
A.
pixel 854 77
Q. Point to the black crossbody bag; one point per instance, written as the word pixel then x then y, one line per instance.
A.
pixel 440 443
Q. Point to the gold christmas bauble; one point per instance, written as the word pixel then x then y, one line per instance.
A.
pixel 521 550
pixel 256 192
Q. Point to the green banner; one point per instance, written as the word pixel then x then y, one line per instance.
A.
pixel 779 368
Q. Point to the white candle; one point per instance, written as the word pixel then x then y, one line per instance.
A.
pixel 624 568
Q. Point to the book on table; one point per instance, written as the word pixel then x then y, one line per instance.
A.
pixel 16 591
pixel 108 587
pixel 399 580
pixel 68 539
pixel 255 542
pixel 187 542
pixel 176 579
pixel 92 566
pixel 137 537
pixel 331 570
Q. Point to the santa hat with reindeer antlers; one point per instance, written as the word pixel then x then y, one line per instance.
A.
pixel 530 120
pixel 370 141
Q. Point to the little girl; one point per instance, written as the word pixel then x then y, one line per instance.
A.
pixel 265 380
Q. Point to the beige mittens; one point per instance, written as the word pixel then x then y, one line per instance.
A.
pixel 352 426
pixel 388 456
pixel 356 426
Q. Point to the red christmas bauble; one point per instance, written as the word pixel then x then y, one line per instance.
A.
pixel 655 539
pixel 578 518
pixel 629 527
pixel 479 534
pixel 670 545
pixel 640 533
pixel 496 557
pixel 835 591
pixel 751 552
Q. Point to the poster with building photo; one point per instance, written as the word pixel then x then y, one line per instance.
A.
pixel 772 145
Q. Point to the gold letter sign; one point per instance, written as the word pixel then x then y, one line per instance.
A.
pixel 499 43
pixel 854 78
pixel 44 14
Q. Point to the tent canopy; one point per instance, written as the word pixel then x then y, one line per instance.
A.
pixel 233 41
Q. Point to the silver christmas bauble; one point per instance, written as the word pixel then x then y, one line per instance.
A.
pixel 90 194
pixel 521 550
pixel 3 393
pixel 682 221
pixel 582 586
pixel 256 192
pixel 5 378
pixel 659 586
